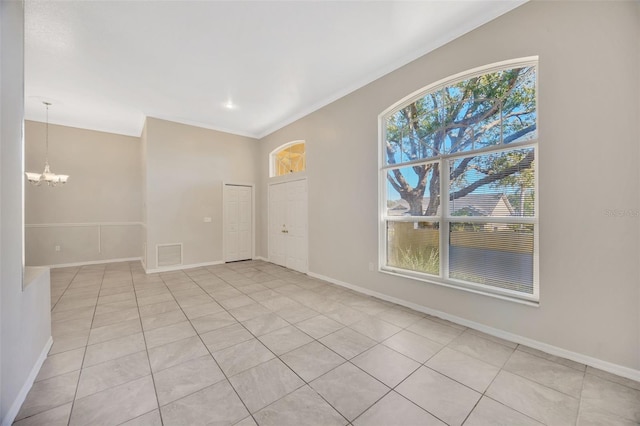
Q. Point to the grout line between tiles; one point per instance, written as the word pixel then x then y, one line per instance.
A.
pixel 75 393
pixel 65 289
pixel 146 349
pixel 237 275
pixel 214 359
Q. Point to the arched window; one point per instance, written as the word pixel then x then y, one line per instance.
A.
pixel 288 158
pixel 458 182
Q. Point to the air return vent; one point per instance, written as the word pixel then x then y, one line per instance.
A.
pixel 169 254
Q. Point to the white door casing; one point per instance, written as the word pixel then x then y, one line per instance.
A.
pixel 238 222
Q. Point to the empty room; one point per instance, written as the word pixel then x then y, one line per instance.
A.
pixel 320 212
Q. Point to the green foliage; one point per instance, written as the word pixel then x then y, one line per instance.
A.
pixel 486 110
pixel 423 259
pixel 465 115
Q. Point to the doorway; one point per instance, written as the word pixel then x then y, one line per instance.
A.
pixel 238 222
pixel 288 241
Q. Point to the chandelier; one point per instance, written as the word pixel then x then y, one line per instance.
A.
pixel 47 175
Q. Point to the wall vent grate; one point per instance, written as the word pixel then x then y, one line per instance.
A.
pixel 169 254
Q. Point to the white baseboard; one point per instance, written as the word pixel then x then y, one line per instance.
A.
pixel 31 378
pixel 94 262
pixel 616 369
pixel 179 267
pixel 190 266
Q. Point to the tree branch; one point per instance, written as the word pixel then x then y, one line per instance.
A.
pixel 422 172
pixel 461 168
pixel 525 163
pixel 394 184
pixel 390 154
pixel 494 108
pixel 519 133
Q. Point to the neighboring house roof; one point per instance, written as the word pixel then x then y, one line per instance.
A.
pixel 469 205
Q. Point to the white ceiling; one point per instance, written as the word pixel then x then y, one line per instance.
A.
pixel 105 65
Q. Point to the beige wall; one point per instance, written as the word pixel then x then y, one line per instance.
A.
pixel 588 135
pixel 588 111
pixel 185 168
pixel 97 215
pixel 125 192
pixel 25 319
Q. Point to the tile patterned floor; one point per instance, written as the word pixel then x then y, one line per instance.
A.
pixel 252 343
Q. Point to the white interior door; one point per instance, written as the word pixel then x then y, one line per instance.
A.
pixel 277 225
pixel 288 225
pixel 238 222
pixel 296 222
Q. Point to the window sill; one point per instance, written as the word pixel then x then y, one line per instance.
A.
pixel 469 288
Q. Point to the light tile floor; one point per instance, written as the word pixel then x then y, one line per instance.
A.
pixel 253 343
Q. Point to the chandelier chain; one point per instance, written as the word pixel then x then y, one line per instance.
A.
pixel 46 155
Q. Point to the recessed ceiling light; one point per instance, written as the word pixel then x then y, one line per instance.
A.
pixel 230 105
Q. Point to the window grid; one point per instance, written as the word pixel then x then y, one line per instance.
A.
pixel 445 219
pixel 287 159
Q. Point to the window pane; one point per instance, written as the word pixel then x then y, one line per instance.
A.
pixel 414 132
pixel 481 126
pixel 414 246
pixel 486 110
pixel 443 140
pixel 290 159
pixel 409 190
pixel 519 108
pixel 495 184
pixel 493 254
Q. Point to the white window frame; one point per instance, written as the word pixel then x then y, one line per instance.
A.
pixel 445 219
